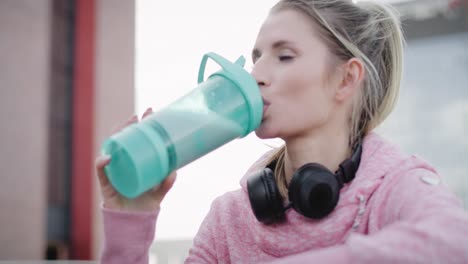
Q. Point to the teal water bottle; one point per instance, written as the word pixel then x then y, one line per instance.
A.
pixel 226 106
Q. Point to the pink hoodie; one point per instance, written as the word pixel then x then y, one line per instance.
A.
pixel 394 211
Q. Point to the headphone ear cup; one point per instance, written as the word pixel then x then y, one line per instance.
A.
pixel 314 191
pixel 264 196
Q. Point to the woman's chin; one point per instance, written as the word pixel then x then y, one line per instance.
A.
pixel 260 135
pixel 264 133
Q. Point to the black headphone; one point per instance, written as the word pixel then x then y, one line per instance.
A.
pixel 313 191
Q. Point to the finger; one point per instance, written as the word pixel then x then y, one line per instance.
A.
pixel 165 186
pixel 131 120
pixel 107 190
pixel 100 163
pixel 148 112
pixel 169 182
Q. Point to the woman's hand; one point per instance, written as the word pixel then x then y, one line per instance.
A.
pixel 148 201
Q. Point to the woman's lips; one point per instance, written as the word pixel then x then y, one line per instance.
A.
pixel 266 104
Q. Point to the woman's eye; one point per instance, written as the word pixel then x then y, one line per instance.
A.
pixel 285 58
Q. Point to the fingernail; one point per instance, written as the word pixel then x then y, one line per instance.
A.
pixel 149 110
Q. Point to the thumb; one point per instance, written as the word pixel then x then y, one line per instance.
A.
pixel 161 191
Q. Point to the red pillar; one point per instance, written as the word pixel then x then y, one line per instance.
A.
pixel 83 130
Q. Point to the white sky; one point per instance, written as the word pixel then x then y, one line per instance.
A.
pixel 171 39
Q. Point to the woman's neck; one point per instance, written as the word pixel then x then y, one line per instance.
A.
pixel 327 149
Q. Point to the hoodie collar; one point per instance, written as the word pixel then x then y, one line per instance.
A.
pixel 378 157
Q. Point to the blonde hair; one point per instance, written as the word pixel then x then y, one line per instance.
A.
pixel 365 30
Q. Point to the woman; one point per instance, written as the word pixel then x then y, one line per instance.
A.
pixel 329 73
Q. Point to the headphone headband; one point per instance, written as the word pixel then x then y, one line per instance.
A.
pixel 348 168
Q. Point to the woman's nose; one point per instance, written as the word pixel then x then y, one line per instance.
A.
pixel 259 75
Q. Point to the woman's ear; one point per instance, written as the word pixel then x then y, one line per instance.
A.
pixel 351 79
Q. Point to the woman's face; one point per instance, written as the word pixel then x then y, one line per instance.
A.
pixel 292 66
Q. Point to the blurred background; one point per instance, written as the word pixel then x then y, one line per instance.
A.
pixel 72 70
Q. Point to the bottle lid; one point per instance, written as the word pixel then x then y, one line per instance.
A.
pixel 139 160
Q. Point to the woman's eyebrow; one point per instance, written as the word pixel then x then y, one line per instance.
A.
pixel 280 44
